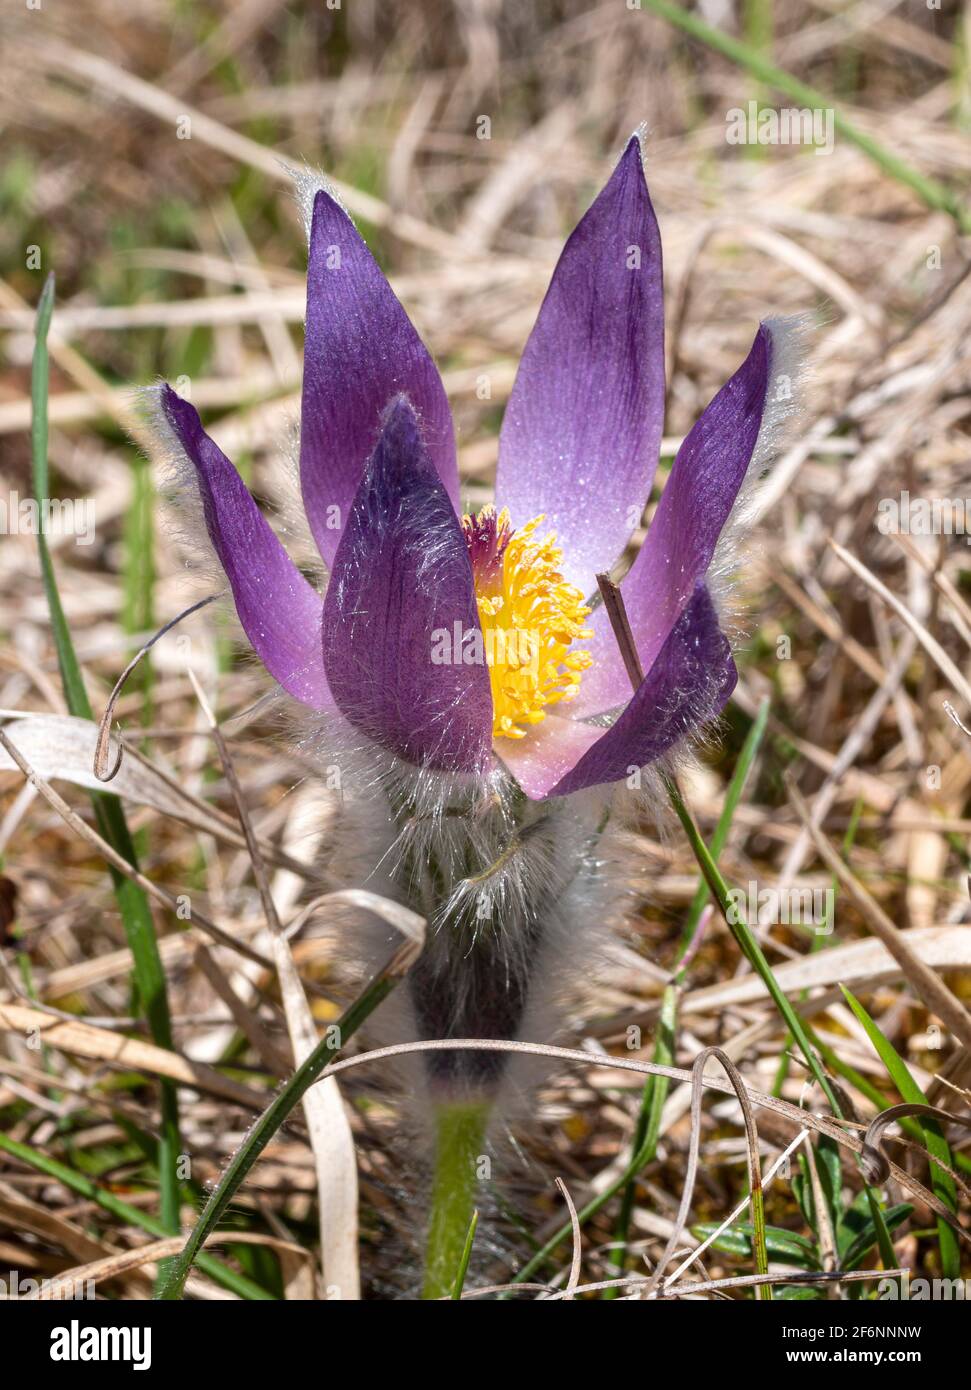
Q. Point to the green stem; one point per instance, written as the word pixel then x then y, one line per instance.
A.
pixel 460 1128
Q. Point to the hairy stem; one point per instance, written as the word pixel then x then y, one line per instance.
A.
pixel 460 1128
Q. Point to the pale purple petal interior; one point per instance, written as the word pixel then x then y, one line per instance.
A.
pixel 582 429
pixel 547 753
pixel 695 505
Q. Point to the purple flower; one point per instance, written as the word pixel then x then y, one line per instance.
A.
pixel 450 640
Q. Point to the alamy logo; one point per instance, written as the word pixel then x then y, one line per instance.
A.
pixel 924 516
pixel 792 125
pixel 62 516
pixel 14 1287
pixel 922 1290
pixel 807 907
pixel 77 1343
pixel 494 646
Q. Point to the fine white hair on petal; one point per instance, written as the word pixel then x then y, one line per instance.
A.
pixel 307 183
pixel 641 134
pixel 289 511
pixel 179 486
pixel 784 402
pixel 184 516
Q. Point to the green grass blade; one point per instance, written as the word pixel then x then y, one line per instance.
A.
pixel 785 1247
pixel 932 193
pixel 463 1268
pixel 763 1292
pixel 819 937
pixel 747 942
pixel 91 1192
pixel 647 1129
pixel 861 1245
pixel 873 1093
pixel 133 905
pixel 138 579
pixel 746 759
pixel 758 27
pixel 751 949
pixel 937 1146
pixel 276 1113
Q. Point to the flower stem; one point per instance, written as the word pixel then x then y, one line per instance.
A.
pixel 459 1136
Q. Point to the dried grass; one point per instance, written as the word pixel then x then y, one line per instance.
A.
pixel 174 252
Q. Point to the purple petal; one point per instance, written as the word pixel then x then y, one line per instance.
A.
pixel 688 684
pixel 695 505
pixel 582 429
pixel 280 612
pixel 400 580
pixel 360 351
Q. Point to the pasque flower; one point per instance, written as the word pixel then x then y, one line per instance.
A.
pixel 462 663
pixel 452 641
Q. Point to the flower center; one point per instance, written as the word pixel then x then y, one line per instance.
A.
pixel 529 615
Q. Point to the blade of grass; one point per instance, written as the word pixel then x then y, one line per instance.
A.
pixel 463 1268
pixel 932 193
pixel 138 611
pixel 759 1243
pixel 656 1088
pixel 91 1192
pixel 746 940
pixel 826 1148
pixel 937 1146
pixel 818 940
pixel 757 21
pixel 282 1105
pixel 109 814
pixel 786 1247
pixel 751 949
pixel 873 1093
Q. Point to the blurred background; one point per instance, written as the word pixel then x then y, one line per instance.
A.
pixel 143 161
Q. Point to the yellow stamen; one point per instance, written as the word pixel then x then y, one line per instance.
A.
pixel 530 616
